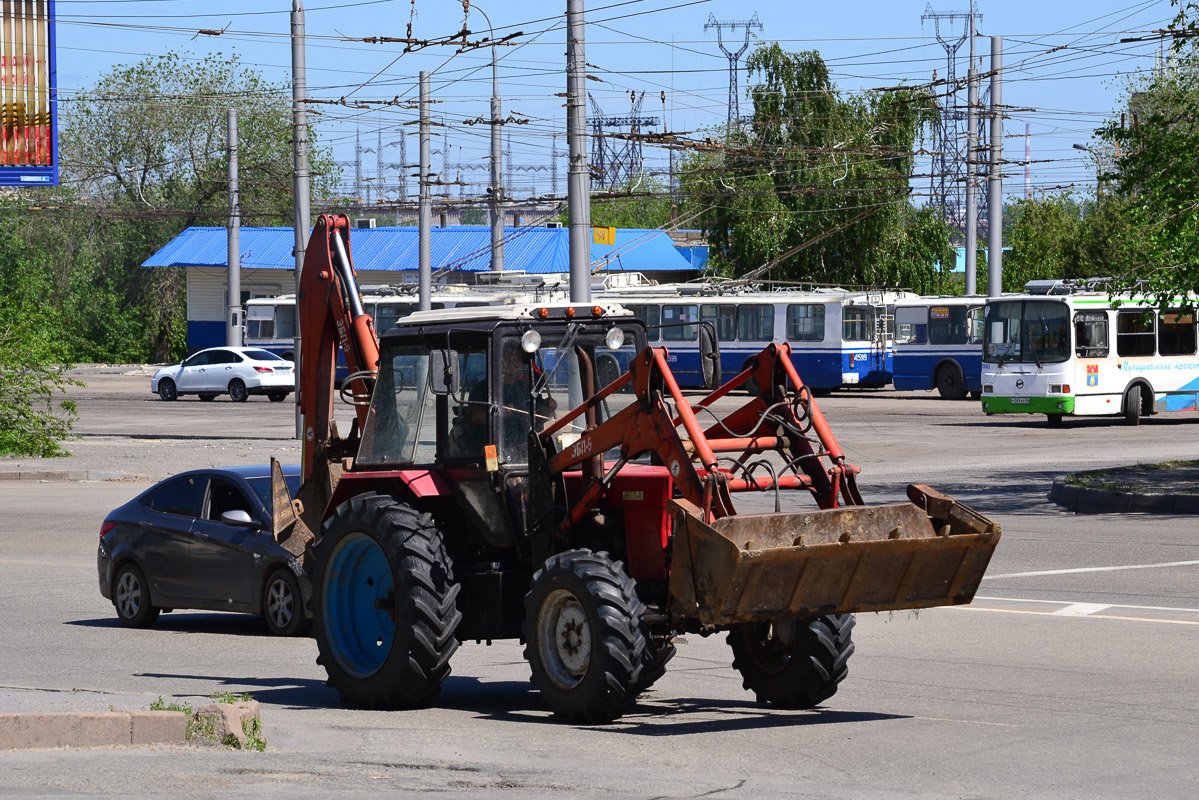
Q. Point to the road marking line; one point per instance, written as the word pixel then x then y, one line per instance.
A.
pixel 1091 569
pixel 1082 609
pixel 1067 602
pixel 1092 616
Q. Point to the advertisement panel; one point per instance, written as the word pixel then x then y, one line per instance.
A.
pixel 28 94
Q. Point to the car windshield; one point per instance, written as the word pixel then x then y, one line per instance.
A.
pixel 262 487
pixel 1026 332
pixel 262 355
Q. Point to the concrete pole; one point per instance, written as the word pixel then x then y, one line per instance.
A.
pixel 425 218
pixel 972 168
pixel 301 191
pixel 233 274
pixel 995 186
pixel 497 154
pixel 578 187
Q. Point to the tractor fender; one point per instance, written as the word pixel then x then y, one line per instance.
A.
pixel 420 483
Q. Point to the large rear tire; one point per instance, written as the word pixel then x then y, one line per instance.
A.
pixel 1132 405
pixel 585 636
pixel 383 604
pixel 951 383
pixel 794 664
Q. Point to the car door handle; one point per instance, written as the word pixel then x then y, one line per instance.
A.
pixel 201 534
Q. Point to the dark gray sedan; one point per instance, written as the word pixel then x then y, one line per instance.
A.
pixel 201 539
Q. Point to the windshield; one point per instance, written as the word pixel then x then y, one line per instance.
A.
pixel 538 388
pixel 1026 332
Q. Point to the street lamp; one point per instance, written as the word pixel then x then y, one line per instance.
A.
pixel 1098 165
pixel 497 191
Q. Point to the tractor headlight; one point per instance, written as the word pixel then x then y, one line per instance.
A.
pixel 614 338
pixel 530 342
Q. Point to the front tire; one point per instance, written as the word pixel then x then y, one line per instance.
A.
pixel 585 636
pixel 167 389
pixel 131 598
pixel 951 384
pixel 1132 406
pixel 283 605
pixel 208 397
pixel 237 391
pixel 384 604
pixel 796 663
pixel 1056 420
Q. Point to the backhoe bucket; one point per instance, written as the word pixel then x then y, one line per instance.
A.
pixel 766 567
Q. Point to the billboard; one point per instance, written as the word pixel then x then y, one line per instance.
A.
pixel 28 94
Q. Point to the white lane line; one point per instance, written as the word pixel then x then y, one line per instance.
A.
pixel 1067 602
pixel 1091 616
pixel 1082 609
pixel 1090 569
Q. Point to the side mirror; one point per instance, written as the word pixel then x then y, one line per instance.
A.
pixel 443 372
pixel 241 519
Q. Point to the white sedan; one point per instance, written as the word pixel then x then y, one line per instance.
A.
pixel 240 371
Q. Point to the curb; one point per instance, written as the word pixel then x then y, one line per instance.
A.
pixel 1085 500
pixel 23 731
pixel 71 475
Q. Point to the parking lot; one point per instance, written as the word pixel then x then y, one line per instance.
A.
pixel 1072 674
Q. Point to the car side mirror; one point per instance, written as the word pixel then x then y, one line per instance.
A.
pixel 443 372
pixel 240 518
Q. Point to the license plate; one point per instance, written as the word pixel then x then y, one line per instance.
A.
pixel 1019 401
pixel 284 370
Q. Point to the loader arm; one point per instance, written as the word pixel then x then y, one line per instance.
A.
pixel 729 568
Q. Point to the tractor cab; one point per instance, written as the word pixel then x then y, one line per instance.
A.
pixel 459 393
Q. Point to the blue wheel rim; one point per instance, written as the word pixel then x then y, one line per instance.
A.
pixel 357 591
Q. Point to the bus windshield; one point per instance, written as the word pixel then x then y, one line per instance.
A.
pixel 1026 332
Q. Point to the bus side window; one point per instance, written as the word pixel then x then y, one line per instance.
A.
pixel 285 322
pixel 911 327
pixel 1134 333
pixel 1090 334
pixel 805 322
pixel 755 323
pixel 680 323
pixel 1176 334
pixel 723 317
pixel 947 325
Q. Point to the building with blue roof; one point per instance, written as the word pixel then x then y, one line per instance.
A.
pixel 391 256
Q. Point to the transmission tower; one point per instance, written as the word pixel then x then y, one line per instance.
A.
pixel 616 162
pixel 947 179
pixel 734 57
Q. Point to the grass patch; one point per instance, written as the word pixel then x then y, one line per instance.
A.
pixel 202 729
pixel 1164 477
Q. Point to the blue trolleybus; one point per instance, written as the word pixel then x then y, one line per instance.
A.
pixel 938 345
pixel 839 338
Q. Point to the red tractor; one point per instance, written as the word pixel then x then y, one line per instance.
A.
pixel 534 473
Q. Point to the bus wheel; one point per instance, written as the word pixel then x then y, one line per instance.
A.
pixel 1056 420
pixel 951 384
pixel 751 385
pixel 1132 405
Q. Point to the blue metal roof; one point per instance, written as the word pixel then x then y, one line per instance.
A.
pixel 463 247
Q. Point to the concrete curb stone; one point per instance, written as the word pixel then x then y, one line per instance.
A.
pixel 1086 500
pixel 29 730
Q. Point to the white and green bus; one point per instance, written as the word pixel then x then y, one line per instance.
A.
pixel 1067 349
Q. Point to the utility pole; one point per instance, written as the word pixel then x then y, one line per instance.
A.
pixel 233 287
pixel 734 58
pixel 301 192
pixel 972 167
pixel 995 185
pixel 578 188
pixel 497 185
pixel 425 220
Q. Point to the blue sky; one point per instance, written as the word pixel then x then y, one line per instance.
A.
pixel 650 46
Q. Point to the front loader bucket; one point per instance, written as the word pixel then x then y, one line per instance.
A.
pixel 765 567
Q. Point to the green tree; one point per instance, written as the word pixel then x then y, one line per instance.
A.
pixel 33 418
pixel 1156 172
pixel 143 156
pixel 819 167
pixel 1043 233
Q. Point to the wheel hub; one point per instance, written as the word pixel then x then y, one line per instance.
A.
pixel 565 639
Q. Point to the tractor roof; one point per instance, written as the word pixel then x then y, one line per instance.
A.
pixel 554 311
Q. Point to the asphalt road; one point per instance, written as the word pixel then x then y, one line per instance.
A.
pixel 1072 674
